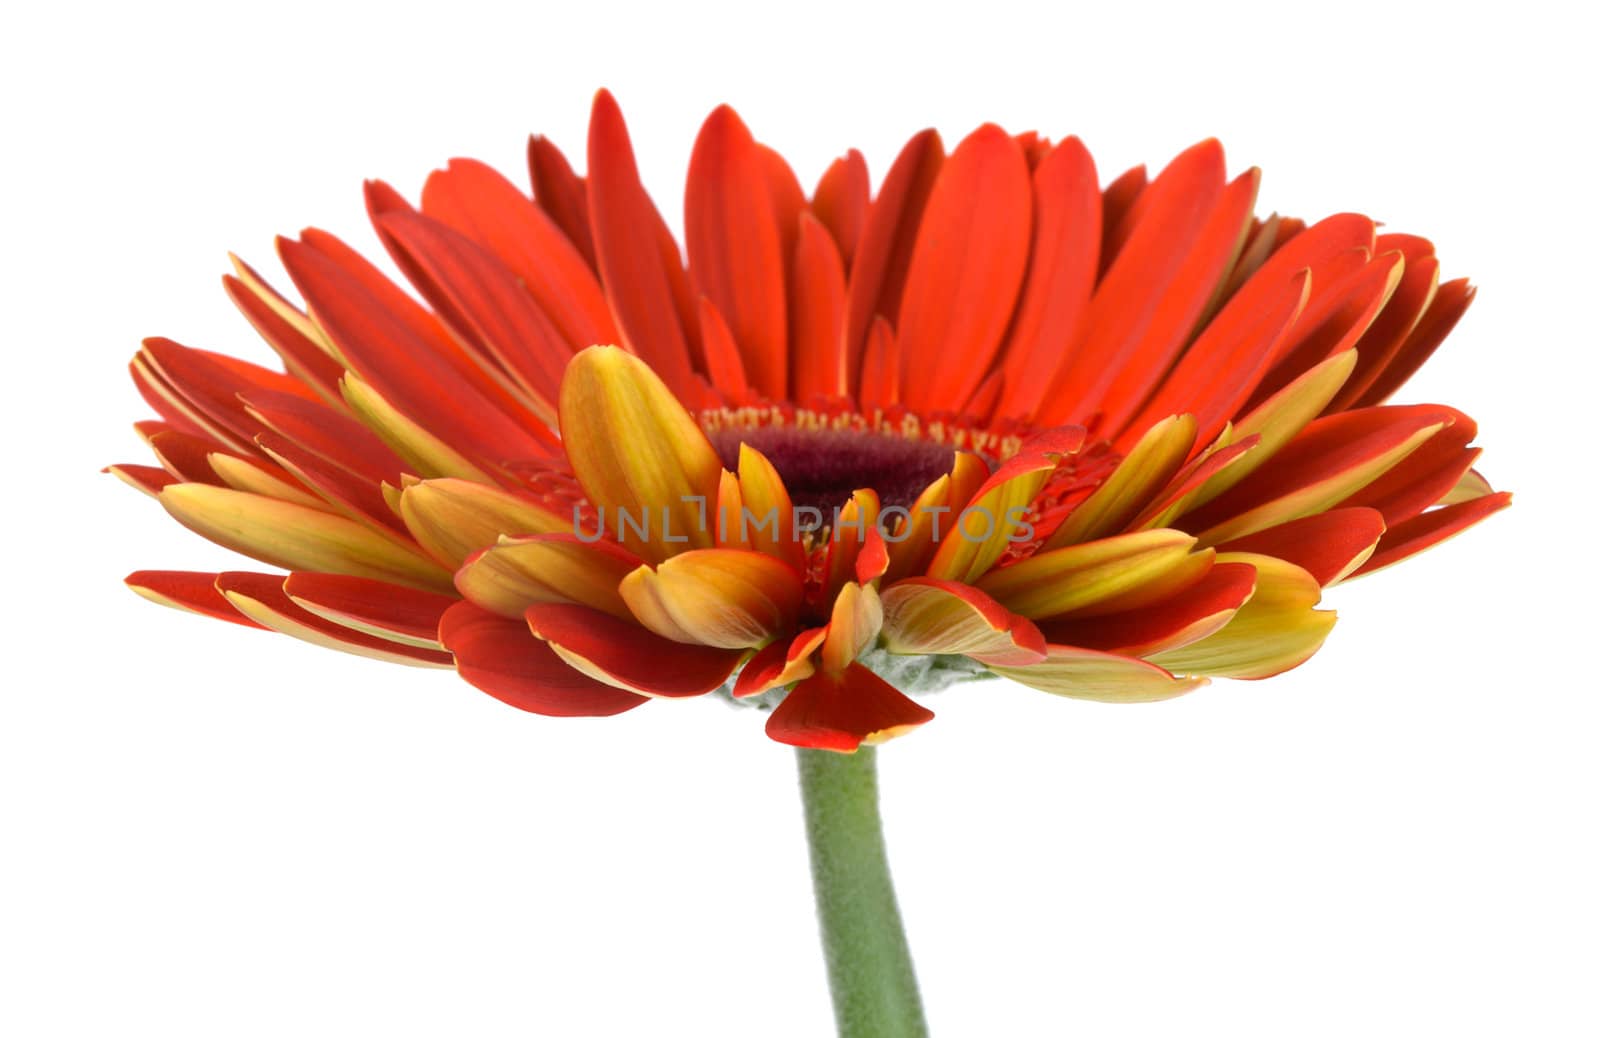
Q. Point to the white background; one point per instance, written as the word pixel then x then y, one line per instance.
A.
pixel 212 831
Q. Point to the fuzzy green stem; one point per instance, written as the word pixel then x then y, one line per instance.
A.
pixel 869 964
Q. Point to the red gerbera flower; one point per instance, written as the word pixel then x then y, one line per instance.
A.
pixel 1107 442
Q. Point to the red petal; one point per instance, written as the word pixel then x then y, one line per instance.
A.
pixel 840 712
pixel 1448 305
pixel 1170 218
pixel 196 592
pixel 481 204
pixel 629 655
pixel 305 359
pixel 561 193
pixel 493 300
pixel 1424 531
pixel 403 611
pixel 1329 546
pixel 1195 284
pixel 405 369
pixel 1381 343
pixel 264 591
pixel 877 275
pixel 1201 609
pixel 639 266
pixel 504 659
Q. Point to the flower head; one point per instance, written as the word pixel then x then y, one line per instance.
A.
pixel 1107 442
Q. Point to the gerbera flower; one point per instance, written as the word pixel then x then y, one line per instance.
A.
pixel 1108 442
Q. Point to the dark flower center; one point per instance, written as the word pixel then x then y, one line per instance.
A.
pixel 822 467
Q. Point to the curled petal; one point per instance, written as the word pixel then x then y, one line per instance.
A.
pixel 923 616
pixel 843 711
pixel 720 597
pixel 1277 630
pixel 635 449
pixel 452 518
pixel 780 663
pixel 556 567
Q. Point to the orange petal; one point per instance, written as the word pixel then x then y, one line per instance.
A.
pixel 735 246
pixel 966 270
pixel 982 530
pixel 877 274
pixel 1153 461
pixel 485 206
pixel 1062 265
pixel 841 200
pixel 818 363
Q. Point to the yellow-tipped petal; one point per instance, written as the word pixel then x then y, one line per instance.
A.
pixel 1066 580
pixel 857 618
pixel 1101 676
pixel 1469 487
pixel 452 518
pixel 636 450
pixel 423 451
pixel 923 616
pixel 976 535
pixel 242 475
pixel 1154 460
pixel 518 572
pixel 1276 630
pixel 293 536
pixel 715 596
pixel 1277 421
pixel 278 613
pixel 1322 494
pixel 770 526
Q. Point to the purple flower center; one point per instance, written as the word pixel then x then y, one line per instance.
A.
pixel 822 467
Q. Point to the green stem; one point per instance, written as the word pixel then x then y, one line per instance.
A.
pixel 869 965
